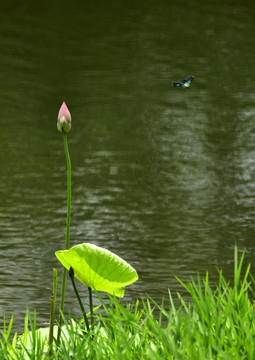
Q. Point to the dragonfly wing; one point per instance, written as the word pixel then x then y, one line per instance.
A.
pixel 188 82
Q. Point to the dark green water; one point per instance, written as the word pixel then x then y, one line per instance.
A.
pixel 162 176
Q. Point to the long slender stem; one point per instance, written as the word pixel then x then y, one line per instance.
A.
pixel 52 310
pixel 68 162
pixel 62 299
pixel 91 307
pixel 71 274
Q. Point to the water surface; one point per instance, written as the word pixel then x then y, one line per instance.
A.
pixel 162 176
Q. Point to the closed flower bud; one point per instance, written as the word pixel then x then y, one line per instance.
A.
pixel 64 119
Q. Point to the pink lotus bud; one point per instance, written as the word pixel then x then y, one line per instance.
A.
pixel 64 119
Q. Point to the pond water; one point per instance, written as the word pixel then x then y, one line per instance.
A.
pixel 162 176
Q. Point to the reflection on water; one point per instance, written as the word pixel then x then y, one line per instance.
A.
pixel 162 176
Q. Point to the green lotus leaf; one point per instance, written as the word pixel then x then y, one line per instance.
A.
pixel 98 268
pixel 42 334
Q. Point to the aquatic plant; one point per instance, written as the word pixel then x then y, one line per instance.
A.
pixel 97 268
pixel 64 126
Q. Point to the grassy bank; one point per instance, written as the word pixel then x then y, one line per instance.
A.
pixel 216 324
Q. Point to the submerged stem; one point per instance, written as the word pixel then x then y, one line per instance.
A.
pixel 62 299
pixel 71 274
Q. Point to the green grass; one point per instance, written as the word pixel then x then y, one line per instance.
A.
pixel 217 323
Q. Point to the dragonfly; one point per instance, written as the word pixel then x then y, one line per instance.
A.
pixel 185 83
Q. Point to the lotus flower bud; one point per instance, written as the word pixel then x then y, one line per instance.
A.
pixel 64 119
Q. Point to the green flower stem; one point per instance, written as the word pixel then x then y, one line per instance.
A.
pixel 68 161
pixel 62 299
pixel 91 307
pixel 52 309
pixel 71 274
